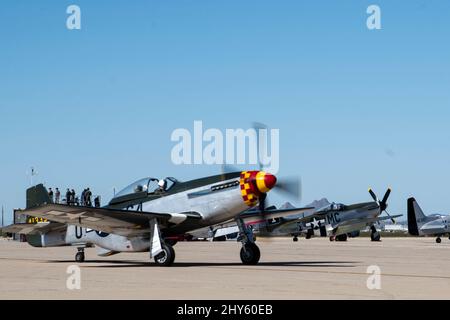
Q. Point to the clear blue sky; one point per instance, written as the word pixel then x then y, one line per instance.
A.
pixel 355 108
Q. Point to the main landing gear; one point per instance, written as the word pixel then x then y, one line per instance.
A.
pixel 341 237
pixel 160 250
pixel 166 257
pixel 250 253
pixel 374 234
pixel 79 257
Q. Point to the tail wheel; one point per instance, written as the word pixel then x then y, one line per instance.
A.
pixel 166 257
pixel 250 254
pixel 295 239
pixel 438 240
pixel 79 257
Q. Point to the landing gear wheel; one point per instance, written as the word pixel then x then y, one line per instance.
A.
pixel 250 254
pixel 375 236
pixel 295 239
pixel 438 240
pixel 79 257
pixel 332 238
pixel 341 237
pixel 167 257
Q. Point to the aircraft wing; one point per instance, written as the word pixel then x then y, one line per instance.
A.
pixel 121 222
pixel 273 214
pixel 35 228
pixel 389 218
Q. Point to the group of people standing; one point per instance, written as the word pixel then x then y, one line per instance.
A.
pixel 57 194
pixel 72 199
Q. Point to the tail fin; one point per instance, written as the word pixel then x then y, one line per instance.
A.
pixel 37 196
pixel 415 214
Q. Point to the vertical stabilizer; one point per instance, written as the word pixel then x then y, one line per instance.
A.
pixel 415 216
pixel 37 196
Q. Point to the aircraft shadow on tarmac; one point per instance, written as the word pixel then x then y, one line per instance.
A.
pixel 137 264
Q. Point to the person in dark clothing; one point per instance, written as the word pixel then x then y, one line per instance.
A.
pixel 68 196
pixel 72 196
pixel 88 197
pixel 97 202
pixel 83 198
pixel 50 194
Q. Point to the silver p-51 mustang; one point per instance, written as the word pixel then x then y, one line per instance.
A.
pixel 334 220
pixel 146 215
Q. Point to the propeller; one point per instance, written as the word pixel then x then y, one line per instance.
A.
pixel 383 203
pixel 290 186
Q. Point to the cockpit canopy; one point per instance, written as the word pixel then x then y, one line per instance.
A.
pixel 332 207
pixel 149 185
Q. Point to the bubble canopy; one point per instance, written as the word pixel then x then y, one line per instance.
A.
pixel 149 185
pixel 332 207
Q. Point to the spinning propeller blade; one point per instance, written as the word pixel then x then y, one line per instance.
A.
pixel 383 203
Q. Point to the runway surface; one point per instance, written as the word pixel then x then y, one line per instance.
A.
pixel 411 268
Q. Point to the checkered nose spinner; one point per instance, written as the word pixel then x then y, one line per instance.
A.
pixel 254 185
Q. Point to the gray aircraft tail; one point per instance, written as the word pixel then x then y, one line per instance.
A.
pixel 415 215
pixel 37 196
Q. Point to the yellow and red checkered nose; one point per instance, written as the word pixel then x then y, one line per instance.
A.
pixel 255 183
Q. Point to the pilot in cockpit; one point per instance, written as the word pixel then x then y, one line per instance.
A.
pixel 162 185
pixel 140 188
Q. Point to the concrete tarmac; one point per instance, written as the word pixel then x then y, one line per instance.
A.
pixel 411 268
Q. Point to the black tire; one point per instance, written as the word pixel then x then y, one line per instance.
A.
pixel 295 239
pixel 79 257
pixel 167 257
pixel 341 237
pixel 250 254
pixel 438 240
pixel 375 236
